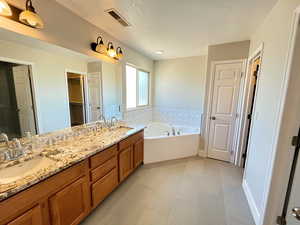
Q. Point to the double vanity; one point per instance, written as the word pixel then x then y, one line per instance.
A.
pixel 62 178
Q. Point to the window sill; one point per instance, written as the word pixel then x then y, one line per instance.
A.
pixel 139 108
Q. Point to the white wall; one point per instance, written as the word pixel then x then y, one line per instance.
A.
pixel 274 33
pixel 49 81
pixel 179 89
pixel 111 92
pixel 80 33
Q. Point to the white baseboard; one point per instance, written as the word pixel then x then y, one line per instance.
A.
pixel 251 202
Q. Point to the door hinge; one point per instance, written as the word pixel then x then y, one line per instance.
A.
pixel 280 220
pixel 242 74
pixel 296 141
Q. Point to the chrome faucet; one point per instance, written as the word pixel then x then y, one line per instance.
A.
pixel 102 117
pixel 113 121
pixel 15 152
pixel 173 131
pixel 4 137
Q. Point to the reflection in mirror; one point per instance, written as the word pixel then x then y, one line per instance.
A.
pixel 94 91
pixel 76 98
pixel 16 100
pixel 44 94
pixel 112 94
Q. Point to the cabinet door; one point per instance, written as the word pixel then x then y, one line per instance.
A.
pixel 138 154
pixel 31 217
pixel 125 162
pixel 70 205
pixel 103 187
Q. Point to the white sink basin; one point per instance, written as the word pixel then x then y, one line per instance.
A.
pixel 19 171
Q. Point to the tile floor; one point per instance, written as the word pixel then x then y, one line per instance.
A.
pixel 192 191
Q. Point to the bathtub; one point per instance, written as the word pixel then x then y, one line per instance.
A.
pixel 165 142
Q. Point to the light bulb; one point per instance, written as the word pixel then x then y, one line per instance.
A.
pixel 111 52
pixel 101 48
pixel 119 53
pixel 32 22
pixel 30 17
pixel 5 9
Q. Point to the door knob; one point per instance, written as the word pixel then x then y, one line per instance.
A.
pixel 213 118
pixel 296 213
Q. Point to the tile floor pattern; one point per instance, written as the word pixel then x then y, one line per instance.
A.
pixel 192 191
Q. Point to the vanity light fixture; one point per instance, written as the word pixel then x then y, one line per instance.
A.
pixel 107 50
pixel 110 50
pixel 30 17
pixel 5 10
pixel 101 48
pixel 119 53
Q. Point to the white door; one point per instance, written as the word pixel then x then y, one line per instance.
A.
pixel 94 98
pixel 24 99
pixel 226 79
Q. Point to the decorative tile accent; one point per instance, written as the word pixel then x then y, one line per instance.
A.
pixel 173 116
pixel 178 116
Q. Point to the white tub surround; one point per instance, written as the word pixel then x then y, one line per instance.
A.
pixel 178 116
pixel 165 142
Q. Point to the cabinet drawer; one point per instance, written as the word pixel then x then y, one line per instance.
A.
pixel 104 187
pixel 31 217
pixel 103 156
pixel 130 140
pixel 104 169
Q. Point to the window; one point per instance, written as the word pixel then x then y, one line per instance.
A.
pixel 137 87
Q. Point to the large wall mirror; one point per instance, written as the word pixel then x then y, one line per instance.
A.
pixel 55 89
pixel 17 110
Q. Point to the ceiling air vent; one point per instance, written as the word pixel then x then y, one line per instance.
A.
pixel 117 16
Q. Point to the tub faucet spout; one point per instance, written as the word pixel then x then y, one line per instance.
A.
pixel 173 131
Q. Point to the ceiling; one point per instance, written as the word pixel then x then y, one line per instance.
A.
pixel 180 28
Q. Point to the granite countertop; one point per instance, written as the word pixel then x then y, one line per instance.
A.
pixel 39 164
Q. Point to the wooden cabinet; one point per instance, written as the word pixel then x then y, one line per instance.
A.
pixel 103 156
pixel 70 205
pixel 31 217
pixel 69 196
pixel 138 152
pixel 125 162
pixel 103 187
pixel 131 154
pixel 104 169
